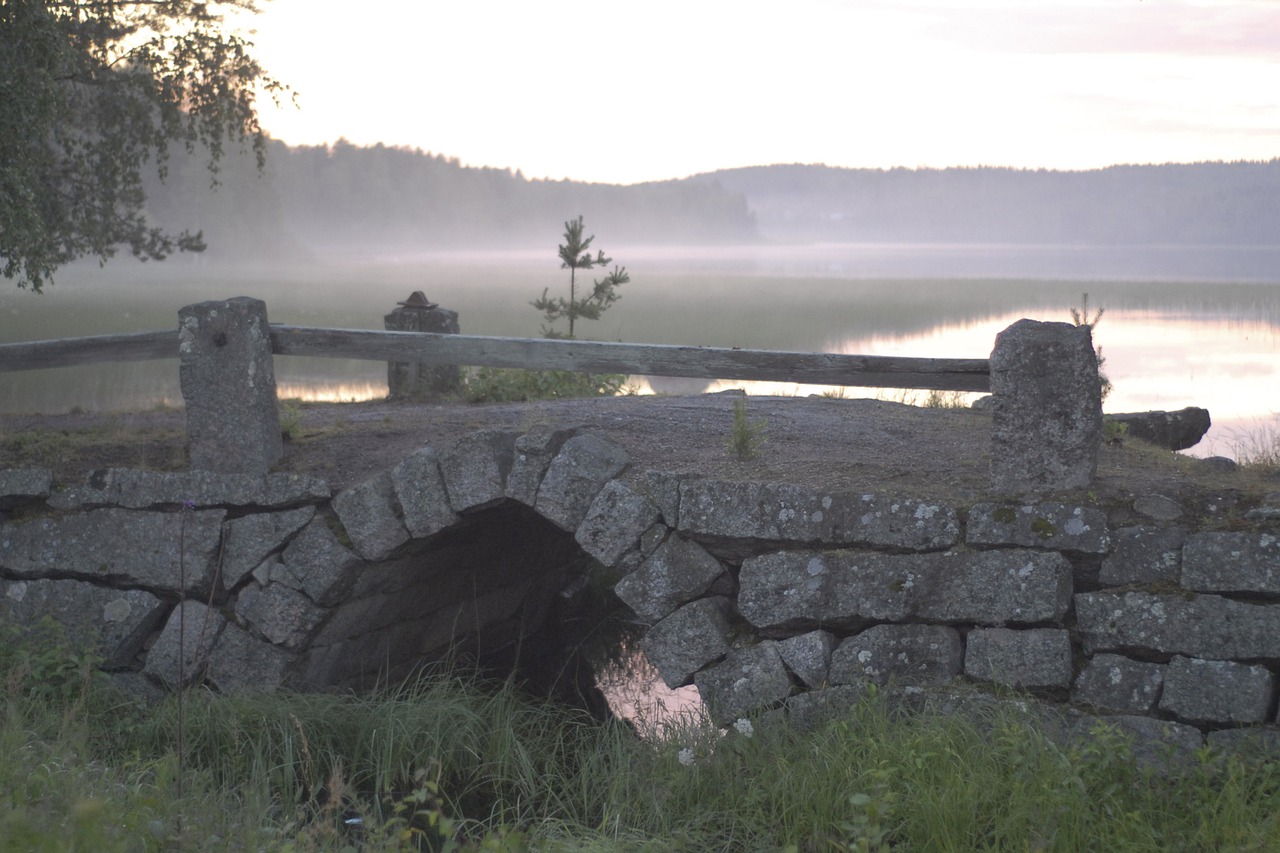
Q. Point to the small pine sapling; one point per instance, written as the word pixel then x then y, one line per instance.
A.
pixel 575 255
pixel 1080 316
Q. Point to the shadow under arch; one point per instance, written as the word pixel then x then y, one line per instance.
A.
pixel 503 591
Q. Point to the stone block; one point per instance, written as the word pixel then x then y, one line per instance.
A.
pixel 284 616
pixel 180 656
pixel 1254 742
pixel 240 662
pixel 794 590
pixel 1171 430
pixel 808 656
pixel 533 454
pixel 806 711
pixel 316 564
pixel 747 681
pixel 680 570
pixel 1205 626
pixel 1232 562
pixel 422 382
pixel 1144 555
pixel 734 518
pixel 1217 691
pixel 1158 507
pixel 1033 658
pixel 370 513
pixel 20 484
pixel 1050 525
pixel 1160 745
pixel 664 490
pixel 1046 424
pixel 615 523
pixel 475 469
pixel 902 654
pixel 228 382
pixel 575 476
pixel 97 619
pixel 687 640
pixel 150 550
pixel 420 491
pixel 137 489
pixel 1117 683
pixel 248 540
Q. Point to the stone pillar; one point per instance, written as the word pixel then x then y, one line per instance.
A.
pixel 409 381
pixel 229 384
pixel 1047 412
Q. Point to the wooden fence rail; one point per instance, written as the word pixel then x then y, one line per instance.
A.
pixel 808 368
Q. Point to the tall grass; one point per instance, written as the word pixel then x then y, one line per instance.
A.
pixel 1258 447
pixel 451 762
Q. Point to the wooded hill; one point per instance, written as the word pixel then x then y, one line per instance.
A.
pixel 1200 203
pixel 368 200
pixel 377 199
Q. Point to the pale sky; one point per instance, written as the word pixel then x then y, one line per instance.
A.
pixel 623 91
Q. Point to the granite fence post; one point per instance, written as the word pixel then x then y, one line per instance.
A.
pixel 229 385
pixel 1047 412
pixel 409 381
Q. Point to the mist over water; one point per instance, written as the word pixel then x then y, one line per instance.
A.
pixel 1182 327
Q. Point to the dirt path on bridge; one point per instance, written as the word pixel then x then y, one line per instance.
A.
pixel 828 444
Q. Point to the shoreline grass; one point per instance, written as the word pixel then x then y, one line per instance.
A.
pixel 454 763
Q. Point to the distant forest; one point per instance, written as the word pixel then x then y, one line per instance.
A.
pixel 365 200
pixel 1192 204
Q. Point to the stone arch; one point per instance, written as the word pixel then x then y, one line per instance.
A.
pixel 470 549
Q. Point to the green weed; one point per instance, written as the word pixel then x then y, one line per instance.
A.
pixel 747 435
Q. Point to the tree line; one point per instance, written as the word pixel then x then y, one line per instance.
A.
pixel 1196 204
pixel 371 199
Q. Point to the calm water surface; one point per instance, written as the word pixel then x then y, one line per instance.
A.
pixel 1182 327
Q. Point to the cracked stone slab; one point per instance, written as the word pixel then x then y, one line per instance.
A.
pixel 180 656
pixel 1217 691
pixel 1050 525
pixel 679 571
pixel 533 454
pixel 575 476
pixel 132 488
pixel 159 551
pixel 1036 657
pixel 475 469
pixel 250 539
pixel 790 590
pixel 748 680
pixel 902 654
pixel 1120 684
pixel 370 513
pixel 1204 626
pixel 1144 554
pixel 100 619
pixel 734 518
pixel 687 640
pixel 615 523
pixel 421 493
pixel 1232 562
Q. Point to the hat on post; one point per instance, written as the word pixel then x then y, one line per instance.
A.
pixel 417 299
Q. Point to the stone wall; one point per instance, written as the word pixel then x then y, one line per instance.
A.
pixel 770 598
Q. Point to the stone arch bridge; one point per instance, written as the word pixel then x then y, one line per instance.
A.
pixel 770 597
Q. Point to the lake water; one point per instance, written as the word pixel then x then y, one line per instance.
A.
pixel 1182 326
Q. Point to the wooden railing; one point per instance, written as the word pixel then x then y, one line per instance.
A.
pixel 808 368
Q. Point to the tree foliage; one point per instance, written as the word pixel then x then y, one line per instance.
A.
pixel 575 255
pixel 95 91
